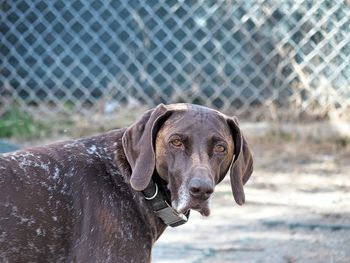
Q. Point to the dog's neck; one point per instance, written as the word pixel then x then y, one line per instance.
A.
pixel 156 194
pixel 124 169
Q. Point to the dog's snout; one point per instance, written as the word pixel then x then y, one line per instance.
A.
pixel 201 188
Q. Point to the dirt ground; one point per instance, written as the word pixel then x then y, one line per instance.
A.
pixel 297 210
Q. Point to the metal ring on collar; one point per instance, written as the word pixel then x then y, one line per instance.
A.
pixel 153 196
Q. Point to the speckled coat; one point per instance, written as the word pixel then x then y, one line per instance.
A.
pixel 71 202
pixel 81 201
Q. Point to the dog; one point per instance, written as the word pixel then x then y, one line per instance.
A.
pixel 109 197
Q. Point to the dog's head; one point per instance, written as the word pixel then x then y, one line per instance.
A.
pixel 191 148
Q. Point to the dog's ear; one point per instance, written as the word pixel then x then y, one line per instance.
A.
pixel 242 162
pixel 138 143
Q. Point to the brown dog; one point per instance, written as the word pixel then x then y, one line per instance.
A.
pixel 82 201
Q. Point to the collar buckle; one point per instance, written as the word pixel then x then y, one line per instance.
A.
pixel 161 207
pixel 171 217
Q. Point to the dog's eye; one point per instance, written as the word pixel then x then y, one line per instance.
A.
pixel 176 142
pixel 220 149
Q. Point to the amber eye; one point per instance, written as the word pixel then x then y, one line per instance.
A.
pixel 176 142
pixel 220 148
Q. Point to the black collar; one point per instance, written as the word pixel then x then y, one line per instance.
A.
pixel 157 197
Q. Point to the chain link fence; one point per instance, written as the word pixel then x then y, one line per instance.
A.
pixel 252 57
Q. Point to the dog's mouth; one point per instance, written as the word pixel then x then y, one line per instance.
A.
pixel 204 210
pixel 182 201
pixel 200 206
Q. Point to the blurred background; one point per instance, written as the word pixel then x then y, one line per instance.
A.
pixel 74 68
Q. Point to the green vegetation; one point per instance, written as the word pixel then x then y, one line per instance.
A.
pixel 18 123
pixel 343 142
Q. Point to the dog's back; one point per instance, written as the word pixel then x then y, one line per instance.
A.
pixel 35 205
pixel 65 202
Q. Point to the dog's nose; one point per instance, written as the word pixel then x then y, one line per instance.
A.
pixel 201 188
